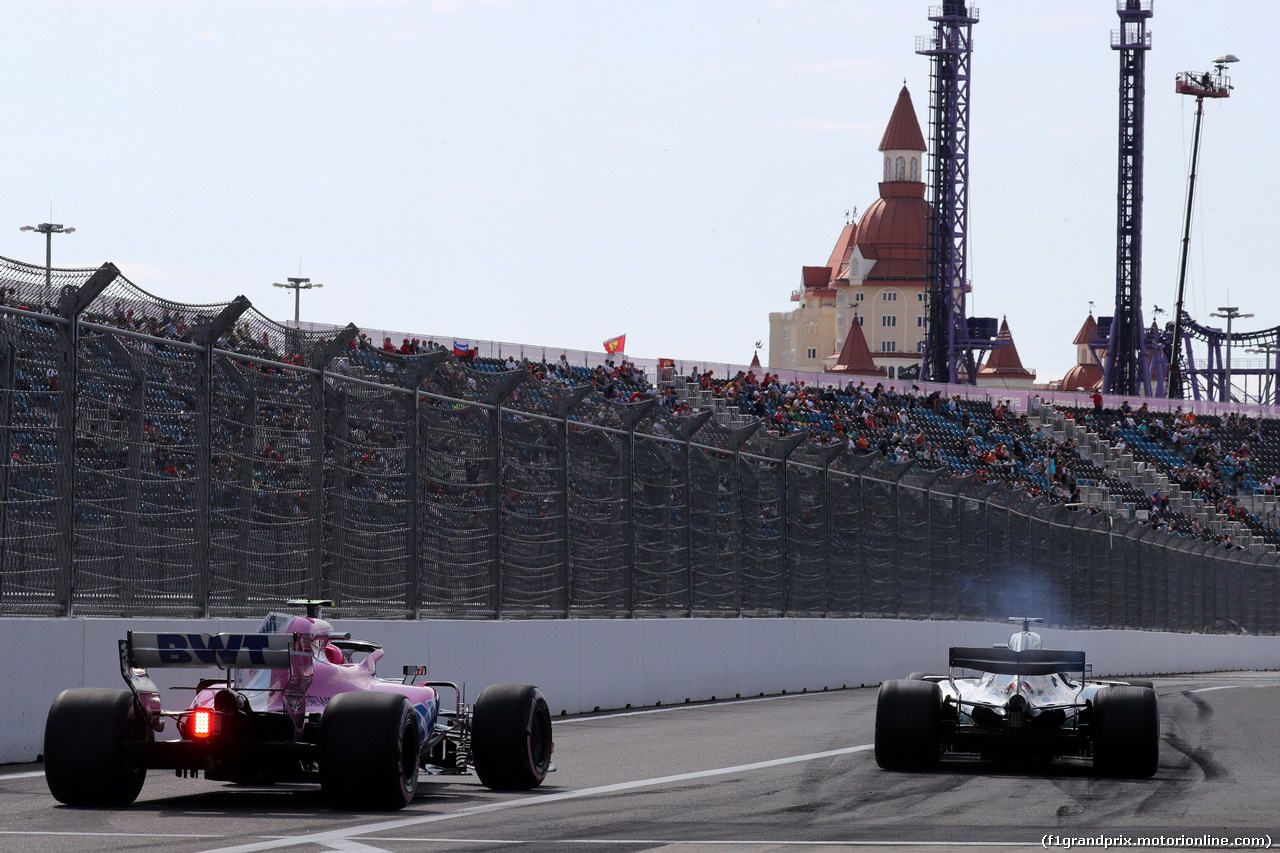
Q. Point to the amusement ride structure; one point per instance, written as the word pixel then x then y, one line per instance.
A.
pixel 1128 369
pixel 1137 359
pixel 953 343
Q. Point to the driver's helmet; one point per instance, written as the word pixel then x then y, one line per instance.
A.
pixel 333 654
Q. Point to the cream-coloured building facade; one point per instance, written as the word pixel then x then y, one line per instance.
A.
pixel 877 275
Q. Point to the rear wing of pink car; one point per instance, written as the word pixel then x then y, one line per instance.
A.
pixel 141 650
pixel 225 651
pixel 1004 661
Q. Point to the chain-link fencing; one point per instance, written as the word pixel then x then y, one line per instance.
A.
pixel 182 461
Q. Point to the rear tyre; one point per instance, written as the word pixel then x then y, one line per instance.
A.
pixel 908 725
pixel 1126 732
pixel 511 737
pixel 369 751
pixel 85 763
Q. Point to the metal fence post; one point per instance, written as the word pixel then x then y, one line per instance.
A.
pixel 71 304
pixel 783 449
pixel 565 406
pixel 413 379
pixel 498 393
pixel 322 355
pixel 632 414
pixel 207 336
pixel 831 455
pixel 686 433
pixel 7 353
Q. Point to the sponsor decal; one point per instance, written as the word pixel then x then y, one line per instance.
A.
pixel 178 649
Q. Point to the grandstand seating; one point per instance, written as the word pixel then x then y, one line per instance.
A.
pixel 233 469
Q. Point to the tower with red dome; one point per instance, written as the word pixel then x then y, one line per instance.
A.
pixel 876 276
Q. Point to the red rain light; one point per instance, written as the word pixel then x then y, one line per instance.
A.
pixel 202 723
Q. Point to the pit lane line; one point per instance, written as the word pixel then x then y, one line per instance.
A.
pixel 340 839
pixel 660 843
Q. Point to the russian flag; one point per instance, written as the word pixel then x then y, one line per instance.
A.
pixel 461 348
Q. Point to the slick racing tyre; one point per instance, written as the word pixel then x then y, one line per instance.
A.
pixel 511 737
pixel 85 763
pixel 1126 732
pixel 908 725
pixel 369 751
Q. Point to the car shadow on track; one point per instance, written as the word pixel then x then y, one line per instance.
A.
pixel 1058 769
pixel 285 800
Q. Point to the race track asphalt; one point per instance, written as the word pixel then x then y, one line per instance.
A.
pixel 751 776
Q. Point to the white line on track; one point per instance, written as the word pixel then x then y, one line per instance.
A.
pixel 719 703
pixel 28 775
pixel 113 834
pixel 727 842
pixel 333 839
pixel 1210 689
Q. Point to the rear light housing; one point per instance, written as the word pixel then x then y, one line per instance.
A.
pixel 201 724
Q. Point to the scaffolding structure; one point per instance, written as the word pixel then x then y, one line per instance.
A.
pixel 951 350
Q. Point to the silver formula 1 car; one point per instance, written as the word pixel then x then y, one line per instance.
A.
pixel 1024 704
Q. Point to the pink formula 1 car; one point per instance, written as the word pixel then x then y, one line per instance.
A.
pixel 299 702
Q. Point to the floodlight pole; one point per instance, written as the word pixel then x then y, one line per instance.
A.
pixel 48 229
pixel 1229 313
pixel 297 285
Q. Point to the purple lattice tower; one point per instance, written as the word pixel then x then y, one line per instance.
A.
pixel 949 349
pixel 1126 371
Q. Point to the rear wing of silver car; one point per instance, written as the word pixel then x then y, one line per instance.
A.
pixel 1003 661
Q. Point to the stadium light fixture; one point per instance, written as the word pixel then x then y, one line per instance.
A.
pixel 1229 313
pixel 297 285
pixel 48 229
pixel 1265 349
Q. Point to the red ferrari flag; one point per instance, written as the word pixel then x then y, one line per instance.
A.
pixel 613 346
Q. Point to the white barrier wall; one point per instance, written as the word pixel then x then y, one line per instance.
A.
pixel 582 665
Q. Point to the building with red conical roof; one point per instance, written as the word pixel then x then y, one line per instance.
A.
pixel 877 274
pixel 1003 368
pixel 1086 375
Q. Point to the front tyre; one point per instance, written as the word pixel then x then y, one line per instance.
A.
pixel 511 737
pixel 369 751
pixel 1126 732
pixel 908 725
pixel 85 763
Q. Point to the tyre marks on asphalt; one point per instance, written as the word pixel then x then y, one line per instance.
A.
pixel 1092 800
pixel 1195 744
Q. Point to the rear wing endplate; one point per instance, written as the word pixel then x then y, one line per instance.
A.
pixel 1002 661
